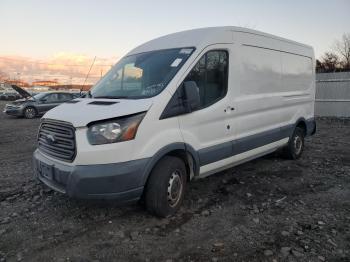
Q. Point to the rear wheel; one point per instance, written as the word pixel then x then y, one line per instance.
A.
pixel 295 146
pixel 29 112
pixel 166 187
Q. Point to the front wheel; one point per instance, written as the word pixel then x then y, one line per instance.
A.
pixel 295 146
pixel 29 112
pixel 166 187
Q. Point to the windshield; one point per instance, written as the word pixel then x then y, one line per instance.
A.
pixel 142 75
pixel 39 96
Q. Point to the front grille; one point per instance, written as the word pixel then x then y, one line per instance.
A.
pixel 57 139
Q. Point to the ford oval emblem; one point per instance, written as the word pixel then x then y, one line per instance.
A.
pixel 50 139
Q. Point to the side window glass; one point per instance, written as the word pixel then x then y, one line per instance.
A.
pixel 47 98
pixel 210 74
pixel 51 98
pixel 64 97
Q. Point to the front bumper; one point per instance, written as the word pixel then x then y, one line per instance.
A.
pixel 120 181
pixel 13 111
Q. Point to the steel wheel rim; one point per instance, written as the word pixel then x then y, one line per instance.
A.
pixel 298 144
pixel 175 188
pixel 30 112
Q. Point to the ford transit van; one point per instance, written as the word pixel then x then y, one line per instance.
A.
pixel 177 108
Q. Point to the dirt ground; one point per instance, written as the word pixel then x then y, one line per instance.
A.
pixel 270 209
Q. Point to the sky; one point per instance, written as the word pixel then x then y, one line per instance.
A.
pixel 73 32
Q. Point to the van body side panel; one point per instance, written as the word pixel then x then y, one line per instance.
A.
pixel 259 99
pixel 277 86
pixel 273 89
pixel 298 83
pixel 273 43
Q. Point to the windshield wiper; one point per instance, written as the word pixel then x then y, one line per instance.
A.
pixel 111 97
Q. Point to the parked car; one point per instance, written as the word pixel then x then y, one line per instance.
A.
pixel 9 96
pixel 180 107
pixel 31 106
pixel 7 93
pixel 77 95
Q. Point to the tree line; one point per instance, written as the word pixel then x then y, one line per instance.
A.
pixel 338 59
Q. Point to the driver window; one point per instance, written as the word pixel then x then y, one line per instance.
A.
pixel 211 75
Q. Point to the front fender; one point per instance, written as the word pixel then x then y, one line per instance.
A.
pixel 167 150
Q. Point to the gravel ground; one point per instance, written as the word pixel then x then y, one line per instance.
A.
pixel 269 209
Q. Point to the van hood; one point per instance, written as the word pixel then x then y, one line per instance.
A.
pixel 80 112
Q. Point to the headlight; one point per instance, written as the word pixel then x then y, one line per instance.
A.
pixel 112 131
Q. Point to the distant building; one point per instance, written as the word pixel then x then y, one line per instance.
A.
pixel 45 83
pixel 70 87
pixel 5 87
pixel 38 89
pixel 17 83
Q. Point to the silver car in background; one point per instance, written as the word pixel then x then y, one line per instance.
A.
pixel 31 106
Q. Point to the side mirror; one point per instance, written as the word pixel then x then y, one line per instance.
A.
pixel 42 100
pixel 191 92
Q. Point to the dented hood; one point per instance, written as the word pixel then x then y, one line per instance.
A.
pixel 80 112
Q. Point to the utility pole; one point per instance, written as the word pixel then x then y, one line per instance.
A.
pixel 87 75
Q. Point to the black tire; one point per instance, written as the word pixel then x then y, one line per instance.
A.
pixel 295 146
pixel 169 175
pixel 29 112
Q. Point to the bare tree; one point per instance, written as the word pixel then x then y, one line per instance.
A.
pixel 342 48
pixel 330 61
pixel 319 66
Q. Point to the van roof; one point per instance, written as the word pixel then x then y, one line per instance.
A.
pixel 201 38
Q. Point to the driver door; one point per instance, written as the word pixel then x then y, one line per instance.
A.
pixel 207 129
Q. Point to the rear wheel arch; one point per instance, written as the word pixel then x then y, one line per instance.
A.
pixel 301 123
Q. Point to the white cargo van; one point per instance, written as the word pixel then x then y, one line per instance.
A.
pixel 179 107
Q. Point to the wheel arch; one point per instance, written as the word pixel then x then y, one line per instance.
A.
pixel 301 122
pixel 181 150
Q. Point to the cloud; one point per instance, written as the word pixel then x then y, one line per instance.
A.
pixel 64 67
